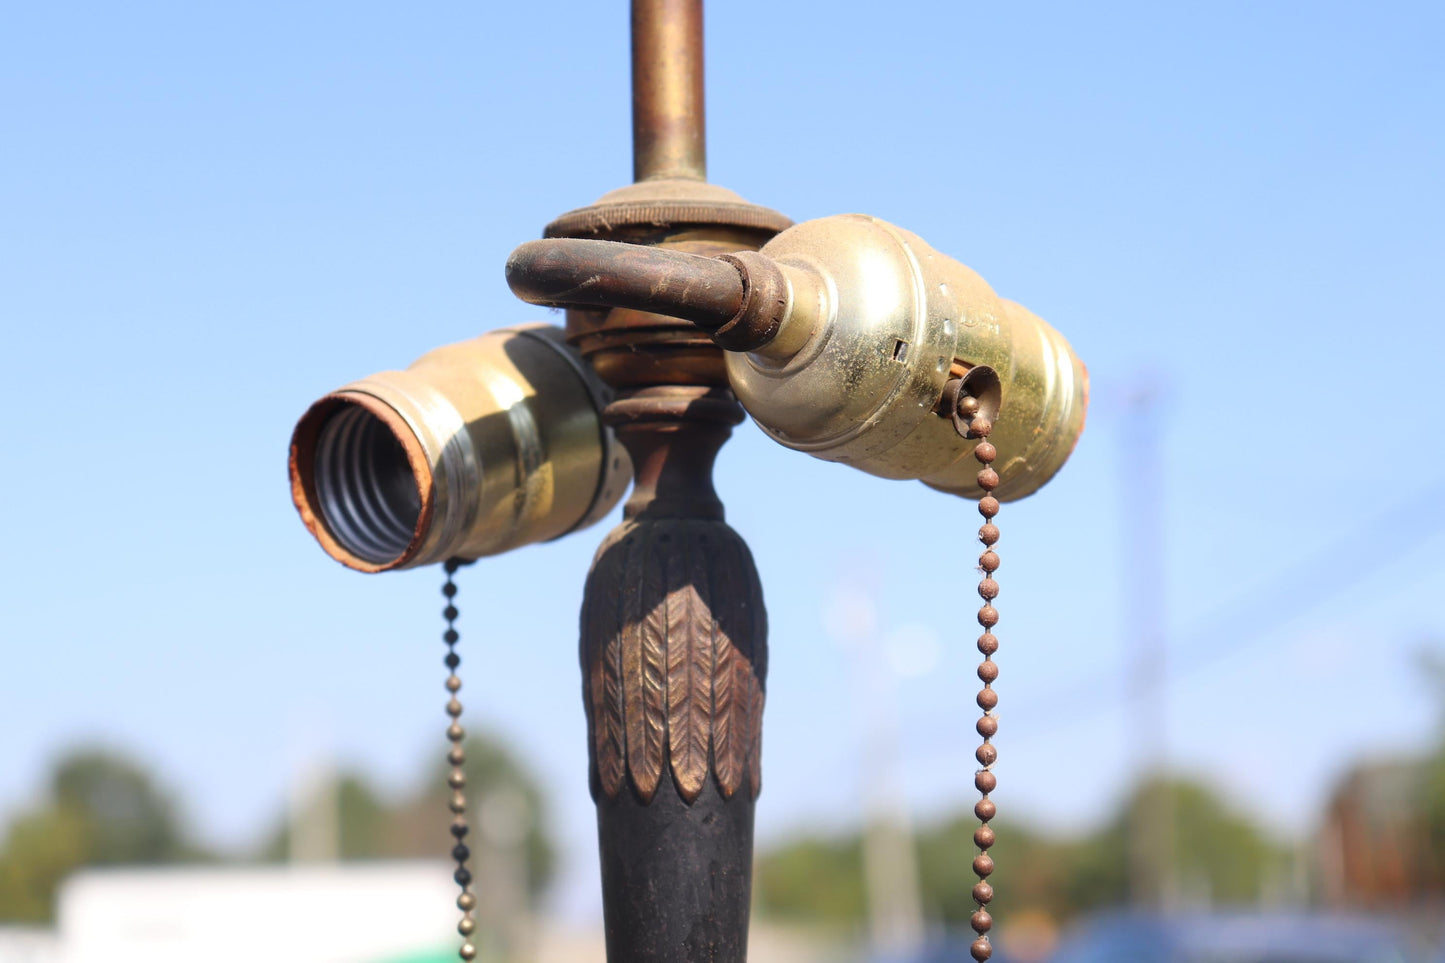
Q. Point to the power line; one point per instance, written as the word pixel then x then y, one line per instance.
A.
pixel 1245 620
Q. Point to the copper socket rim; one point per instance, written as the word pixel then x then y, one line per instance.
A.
pixel 306 496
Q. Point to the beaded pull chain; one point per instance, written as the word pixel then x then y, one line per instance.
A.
pixel 984 780
pixel 457 778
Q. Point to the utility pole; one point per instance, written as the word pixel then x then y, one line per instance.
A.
pixel 890 865
pixel 1151 845
pixel 315 817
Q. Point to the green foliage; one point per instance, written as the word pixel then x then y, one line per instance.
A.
pixel 363 823
pixel 128 820
pixel 41 848
pixel 817 880
pixel 1431 804
pixel 494 773
pixel 1403 798
pixel 415 825
pixel 361 819
pixel 102 808
pixel 1212 846
pixel 821 880
pixel 1033 870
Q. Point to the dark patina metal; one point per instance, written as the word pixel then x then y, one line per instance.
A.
pixel 574 272
pixel 674 657
pixel 738 299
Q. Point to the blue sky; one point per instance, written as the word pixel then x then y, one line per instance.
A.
pixel 211 215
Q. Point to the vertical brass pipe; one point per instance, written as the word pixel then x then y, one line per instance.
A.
pixel 668 123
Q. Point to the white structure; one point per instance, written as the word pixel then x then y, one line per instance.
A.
pixel 21 944
pixel 393 912
pixel 358 913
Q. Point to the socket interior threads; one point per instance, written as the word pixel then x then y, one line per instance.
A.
pixel 365 487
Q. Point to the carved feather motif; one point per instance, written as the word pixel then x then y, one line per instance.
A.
pixel 732 671
pixel 689 666
pixel 644 666
pixel 674 646
pixel 602 637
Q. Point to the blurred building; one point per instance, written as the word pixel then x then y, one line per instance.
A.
pixel 358 913
pixel 1374 848
pixel 24 944
pixel 380 912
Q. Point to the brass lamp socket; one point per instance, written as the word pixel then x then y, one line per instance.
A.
pixel 871 326
pixel 475 449
pixel 842 336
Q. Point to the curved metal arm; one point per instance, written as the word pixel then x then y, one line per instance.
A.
pixel 738 299
pixel 565 272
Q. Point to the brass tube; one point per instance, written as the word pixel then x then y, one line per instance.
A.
pixel 842 335
pixel 668 122
pixel 475 449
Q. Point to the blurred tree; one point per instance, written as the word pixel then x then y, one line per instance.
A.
pixel 814 880
pixel 362 822
pixel 1430 786
pixel 1382 842
pixel 127 818
pixel 40 849
pixel 1034 871
pixel 101 808
pixel 507 808
pixel 1220 857
pixel 1431 803
pixel 415 825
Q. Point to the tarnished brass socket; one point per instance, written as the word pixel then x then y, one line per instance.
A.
pixel 477 448
pixel 872 324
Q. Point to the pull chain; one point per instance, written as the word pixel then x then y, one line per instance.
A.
pixel 457 778
pixel 984 780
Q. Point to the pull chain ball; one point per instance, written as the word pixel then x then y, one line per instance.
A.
pixel 984 780
pixel 457 777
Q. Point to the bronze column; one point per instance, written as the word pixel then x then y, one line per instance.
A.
pixel 673 632
pixel 674 652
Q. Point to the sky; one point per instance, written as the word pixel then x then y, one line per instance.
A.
pixel 212 214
